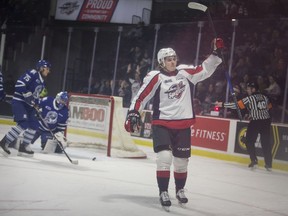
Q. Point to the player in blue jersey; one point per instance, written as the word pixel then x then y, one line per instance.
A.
pixel 28 89
pixel 55 113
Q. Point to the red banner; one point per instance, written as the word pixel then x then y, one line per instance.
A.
pixel 210 133
pixel 97 10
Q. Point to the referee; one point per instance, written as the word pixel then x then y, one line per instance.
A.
pixel 258 106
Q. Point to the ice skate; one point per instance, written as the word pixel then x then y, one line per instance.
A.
pixel 4 147
pixel 182 199
pixel 268 168
pixel 165 200
pixel 253 165
pixel 25 150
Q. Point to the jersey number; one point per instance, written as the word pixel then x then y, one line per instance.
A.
pixel 261 105
pixel 27 78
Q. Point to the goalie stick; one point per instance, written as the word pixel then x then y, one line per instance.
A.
pixel 201 7
pixel 58 142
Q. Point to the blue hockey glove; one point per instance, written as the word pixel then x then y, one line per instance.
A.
pixel 133 121
pixel 29 99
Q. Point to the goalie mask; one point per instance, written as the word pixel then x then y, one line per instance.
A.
pixel 163 53
pixel 62 99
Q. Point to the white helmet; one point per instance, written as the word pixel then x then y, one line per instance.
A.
pixel 165 52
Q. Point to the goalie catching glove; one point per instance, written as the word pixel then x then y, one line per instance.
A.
pixel 133 121
pixel 217 46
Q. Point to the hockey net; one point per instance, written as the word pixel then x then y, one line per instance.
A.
pixel 97 121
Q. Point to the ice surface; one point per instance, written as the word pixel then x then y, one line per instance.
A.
pixel 48 184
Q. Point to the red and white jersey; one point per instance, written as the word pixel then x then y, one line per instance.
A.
pixel 172 93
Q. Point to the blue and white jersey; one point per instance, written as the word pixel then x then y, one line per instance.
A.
pixel 2 93
pixel 30 81
pixel 55 118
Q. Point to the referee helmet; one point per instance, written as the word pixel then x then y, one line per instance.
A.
pixel 253 85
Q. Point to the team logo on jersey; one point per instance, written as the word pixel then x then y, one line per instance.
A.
pixel 176 90
pixel 69 7
pixel 51 117
pixel 37 91
pixel 48 107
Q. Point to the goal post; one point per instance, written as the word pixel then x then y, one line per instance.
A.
pixel 97 121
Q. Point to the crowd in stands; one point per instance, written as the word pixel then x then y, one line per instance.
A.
pixel 260 52
pixel 260 55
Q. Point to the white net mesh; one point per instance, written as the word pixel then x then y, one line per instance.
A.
pixel 84 133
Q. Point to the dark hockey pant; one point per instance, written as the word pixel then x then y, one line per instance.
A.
pixel 263 128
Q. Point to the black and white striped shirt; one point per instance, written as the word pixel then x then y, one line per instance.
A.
pixel 257 104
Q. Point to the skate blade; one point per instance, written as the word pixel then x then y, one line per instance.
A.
pixel 45 152
pixel 4 153
pixel 166 208
pixel 183 205
pixel 253 168
pixel 25 155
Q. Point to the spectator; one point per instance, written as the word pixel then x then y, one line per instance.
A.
pixel 219 91
pixel 261 83
pixel 273 90
pixel 125 92
pixel 95 87
pixel 200 91
pixel 210 98
pixel 133 78
pixel 105 88
pixel 135 54
pixel 243 83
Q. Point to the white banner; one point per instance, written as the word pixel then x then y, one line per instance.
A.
pixel 114 11
pixel 84 113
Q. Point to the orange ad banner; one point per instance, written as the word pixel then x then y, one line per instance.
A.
pixel 210 133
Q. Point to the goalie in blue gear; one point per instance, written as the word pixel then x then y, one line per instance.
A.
pixel 54 111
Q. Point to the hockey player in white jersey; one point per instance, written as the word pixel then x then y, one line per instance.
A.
pixel 172 89
pixel 27 92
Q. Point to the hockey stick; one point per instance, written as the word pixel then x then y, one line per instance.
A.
pixel 201 7
pixel 52 134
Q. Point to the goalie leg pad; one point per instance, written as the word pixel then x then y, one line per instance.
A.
pixel 50 146
pixel 164 160
pixel 45 136
pixel 62 139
